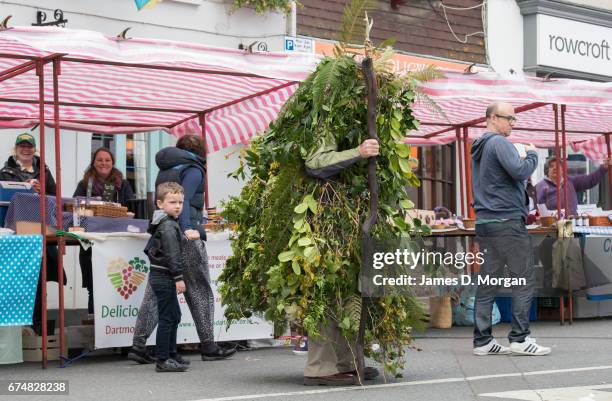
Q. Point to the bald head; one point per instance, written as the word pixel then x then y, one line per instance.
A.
pixel 500 118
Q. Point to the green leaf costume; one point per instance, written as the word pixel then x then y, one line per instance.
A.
pixel 297 249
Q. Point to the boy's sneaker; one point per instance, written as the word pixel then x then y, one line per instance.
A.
pixel 529 347
pixel 140 355
pixel 170 365
pixel 180 359
pixel 492 348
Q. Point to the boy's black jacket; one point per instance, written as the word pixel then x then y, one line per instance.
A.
pixel 165 247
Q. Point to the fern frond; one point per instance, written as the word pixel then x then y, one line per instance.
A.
pixel 423 98
pixel 352 308
pixel 383 62
pixel 386 43
pixel 353 23
pixel 420 76
pixel 327 77
pixel 425 74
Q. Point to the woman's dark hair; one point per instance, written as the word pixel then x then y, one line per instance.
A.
pixel 550 160
pixel 116 177
pixel 192 143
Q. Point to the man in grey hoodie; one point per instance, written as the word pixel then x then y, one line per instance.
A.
pixel 501 204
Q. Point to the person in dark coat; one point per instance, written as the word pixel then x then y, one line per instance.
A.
pixel 185 164
pixel 24 166
pixel 101 179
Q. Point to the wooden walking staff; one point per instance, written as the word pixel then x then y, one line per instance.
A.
pixel 370 78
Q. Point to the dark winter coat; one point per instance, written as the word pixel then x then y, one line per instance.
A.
pixel 189 170
pixel 12 172
pixel 165 247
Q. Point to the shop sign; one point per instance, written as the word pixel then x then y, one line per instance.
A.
pixel 574 45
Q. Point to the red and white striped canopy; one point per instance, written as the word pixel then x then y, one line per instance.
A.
pixel 463 99
pixel 122 86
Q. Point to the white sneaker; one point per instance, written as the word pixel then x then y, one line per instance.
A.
pixel 529 347
pixel 492 348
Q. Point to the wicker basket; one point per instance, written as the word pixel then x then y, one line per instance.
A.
pixel 600 221
pixel 548 221
pixel 107 210
pixel 469 223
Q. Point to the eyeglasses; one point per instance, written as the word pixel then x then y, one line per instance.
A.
pixel 511 119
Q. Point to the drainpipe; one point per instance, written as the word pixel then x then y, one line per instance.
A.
pixel 292 20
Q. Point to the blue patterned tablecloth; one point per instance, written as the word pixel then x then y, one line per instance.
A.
pixel 26 207
pixel 20 260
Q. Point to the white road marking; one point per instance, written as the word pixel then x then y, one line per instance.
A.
pixel 584 393
pixel 419 383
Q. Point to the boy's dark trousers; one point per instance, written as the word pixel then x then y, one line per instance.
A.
pixel 169 314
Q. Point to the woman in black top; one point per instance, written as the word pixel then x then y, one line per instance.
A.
pixel 101 179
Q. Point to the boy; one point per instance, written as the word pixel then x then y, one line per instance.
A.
pixel 164 250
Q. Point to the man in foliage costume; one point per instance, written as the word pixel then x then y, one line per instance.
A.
pixel 297 247
pixel 331 358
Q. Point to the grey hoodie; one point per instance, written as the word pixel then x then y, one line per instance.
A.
pixel 499 178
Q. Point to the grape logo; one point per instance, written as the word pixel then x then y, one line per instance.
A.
pixel 126 277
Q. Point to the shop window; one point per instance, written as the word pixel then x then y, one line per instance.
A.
pixel 136 163
pixel 436 172
pixel 101 141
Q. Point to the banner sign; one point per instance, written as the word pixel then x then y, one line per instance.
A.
pixel 120 272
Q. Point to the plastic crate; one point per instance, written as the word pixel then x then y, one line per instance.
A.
pixel 505 309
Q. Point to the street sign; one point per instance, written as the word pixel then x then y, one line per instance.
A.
pixel 299 45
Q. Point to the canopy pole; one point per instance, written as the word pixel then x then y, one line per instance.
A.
pixel 468 172
pixel 609 172
pixel 40 71
pixel 557 156
pixel 17 70
pixel 480 120
pixel 463 209
pixel 61 248
pixel 564 153
pixel 202 119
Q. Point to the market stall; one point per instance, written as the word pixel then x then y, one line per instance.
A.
pixel 86 81
pixel 552 113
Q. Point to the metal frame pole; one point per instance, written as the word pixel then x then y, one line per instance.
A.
pixel 564 154
pixel 58 198
pixel 202 120
pixel 40 72
pixel 557 155
pixel 609 172
pixel 463 210
pixel 468 172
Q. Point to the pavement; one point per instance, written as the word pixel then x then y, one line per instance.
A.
pixel 579 368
